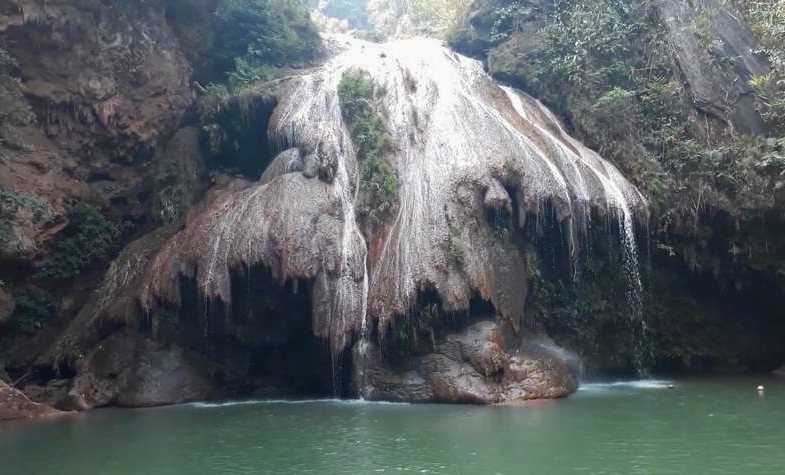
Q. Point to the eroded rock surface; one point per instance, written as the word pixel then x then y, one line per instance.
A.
pixel 478 365
pixel 699 35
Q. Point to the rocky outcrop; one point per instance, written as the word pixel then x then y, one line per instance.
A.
pixel 481 364
pixel 106 82
pixel 703 34
pixel 133 371
pixel 15 405
pixel 694 59
pixel 713 48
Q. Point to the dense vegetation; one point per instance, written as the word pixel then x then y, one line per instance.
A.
pixel 355 12
pixel 378 178
pixel 255 38
pixel 88 239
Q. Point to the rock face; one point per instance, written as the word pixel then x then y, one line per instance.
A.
pixel 478 365
pixel 699 33
pixel 718 88
pixel 100 83
pixel 128 370
pixel 15 405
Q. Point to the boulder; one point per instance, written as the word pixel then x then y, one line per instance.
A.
pixel 478 365
pixel 164 376
pixel 133 371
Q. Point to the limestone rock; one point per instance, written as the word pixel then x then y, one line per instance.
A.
pixel 497 199
pixel 179 176
pixel 717 87
pixel 288 161
pixel 475 365
pixel 163 376
pixel 100 85
pixel 133 371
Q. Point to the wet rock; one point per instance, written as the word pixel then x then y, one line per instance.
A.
pixel 311 165
pixel 305 231
pixel 133 371
pixel 163 376
pixel 15 405
pixel 496 198
pixel 179 176
pixel 291 225
pixel 288 161
pixel 7 304
pixel 475 366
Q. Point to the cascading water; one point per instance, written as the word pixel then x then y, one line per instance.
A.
pixel 458 136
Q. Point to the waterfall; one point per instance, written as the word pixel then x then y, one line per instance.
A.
pixel 457 134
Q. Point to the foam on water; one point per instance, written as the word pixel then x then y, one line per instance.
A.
pixel 637 384
pixel 254 402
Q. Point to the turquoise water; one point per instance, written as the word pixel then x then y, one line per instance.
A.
pixel 711 426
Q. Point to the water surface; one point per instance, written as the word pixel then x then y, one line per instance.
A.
pixel 712 426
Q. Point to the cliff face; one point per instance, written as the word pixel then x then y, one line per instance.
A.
pixel 93 94
pixel 666 90
pixel 392 223
pixel 107 84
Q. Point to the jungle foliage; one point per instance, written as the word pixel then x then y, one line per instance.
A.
pixel 89 238
pixel 378 178
pixel 254 39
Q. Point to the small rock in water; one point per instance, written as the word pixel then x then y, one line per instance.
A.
pixel 670 386
pixel 761 389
